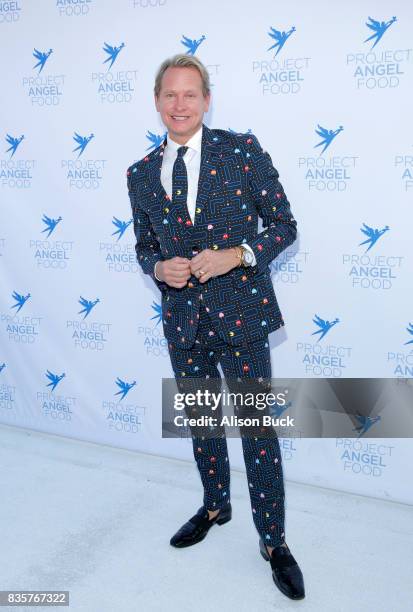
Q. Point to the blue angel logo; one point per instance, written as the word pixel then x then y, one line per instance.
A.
pixel 14 143
pixel 324 326
pixel 372 235
pixel 365 423
pixel 121 225
pixel 280 39
pixel 54 379
pixel 276 410
pixel 327 136
pixel 157 308
pixel 42 56
pixel 124 387
pixel 87 305
pixel 410 330
pixel 192 44
pixel 155 139
pixel 2 366
pixel 112 52
pixel 20 300
pixel 82 142
pixel 379 28
pixel 50 224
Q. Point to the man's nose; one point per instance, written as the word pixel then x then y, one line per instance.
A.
pixel 180 103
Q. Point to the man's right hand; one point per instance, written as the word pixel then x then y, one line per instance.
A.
pixel 174 272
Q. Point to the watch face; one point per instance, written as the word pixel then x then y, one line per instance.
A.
pixel 247 257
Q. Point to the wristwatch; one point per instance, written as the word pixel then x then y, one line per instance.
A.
pixel 245 256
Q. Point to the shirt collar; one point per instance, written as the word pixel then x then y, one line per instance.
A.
pixel 194 142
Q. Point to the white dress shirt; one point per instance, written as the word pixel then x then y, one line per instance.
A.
pixel 192 159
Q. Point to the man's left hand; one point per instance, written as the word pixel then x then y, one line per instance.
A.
pixel 210 263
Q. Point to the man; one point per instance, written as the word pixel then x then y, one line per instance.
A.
pixel 196 200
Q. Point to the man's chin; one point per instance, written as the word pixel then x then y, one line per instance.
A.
pixel 180 127
pixel 183 131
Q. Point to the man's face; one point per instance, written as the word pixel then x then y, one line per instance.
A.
pixel 181 102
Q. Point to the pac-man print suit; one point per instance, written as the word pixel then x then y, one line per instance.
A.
pixel 237 184
pixel 227 319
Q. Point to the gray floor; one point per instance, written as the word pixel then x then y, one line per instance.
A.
pixel 96 521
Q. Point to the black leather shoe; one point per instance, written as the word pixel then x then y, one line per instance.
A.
pixel 197 527
pixel 285 571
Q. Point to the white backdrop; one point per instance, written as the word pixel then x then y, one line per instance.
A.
pixel 57 241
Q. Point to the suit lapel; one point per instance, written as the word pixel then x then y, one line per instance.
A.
pixel 208 172
pixel 154 165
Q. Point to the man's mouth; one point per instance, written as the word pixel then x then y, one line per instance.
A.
pixel 179 117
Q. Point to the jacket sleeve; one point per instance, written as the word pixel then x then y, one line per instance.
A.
pixel 272 206
pixel 148 251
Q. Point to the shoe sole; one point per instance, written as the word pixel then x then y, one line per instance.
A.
pixel 222 521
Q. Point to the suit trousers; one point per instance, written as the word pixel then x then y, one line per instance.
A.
pixel 262 455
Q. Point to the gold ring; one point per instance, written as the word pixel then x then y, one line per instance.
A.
pixel 201 272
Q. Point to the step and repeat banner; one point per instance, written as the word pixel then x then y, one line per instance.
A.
pixel 326 88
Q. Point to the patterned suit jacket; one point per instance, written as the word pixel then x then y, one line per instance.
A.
pixel 237 184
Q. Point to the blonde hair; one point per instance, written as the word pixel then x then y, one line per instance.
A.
pixel 183 61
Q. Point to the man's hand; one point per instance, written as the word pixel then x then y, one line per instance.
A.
pixel 210 263
pixel 174 272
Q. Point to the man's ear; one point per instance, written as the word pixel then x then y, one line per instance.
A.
pixel 207 100
pixel 156 102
